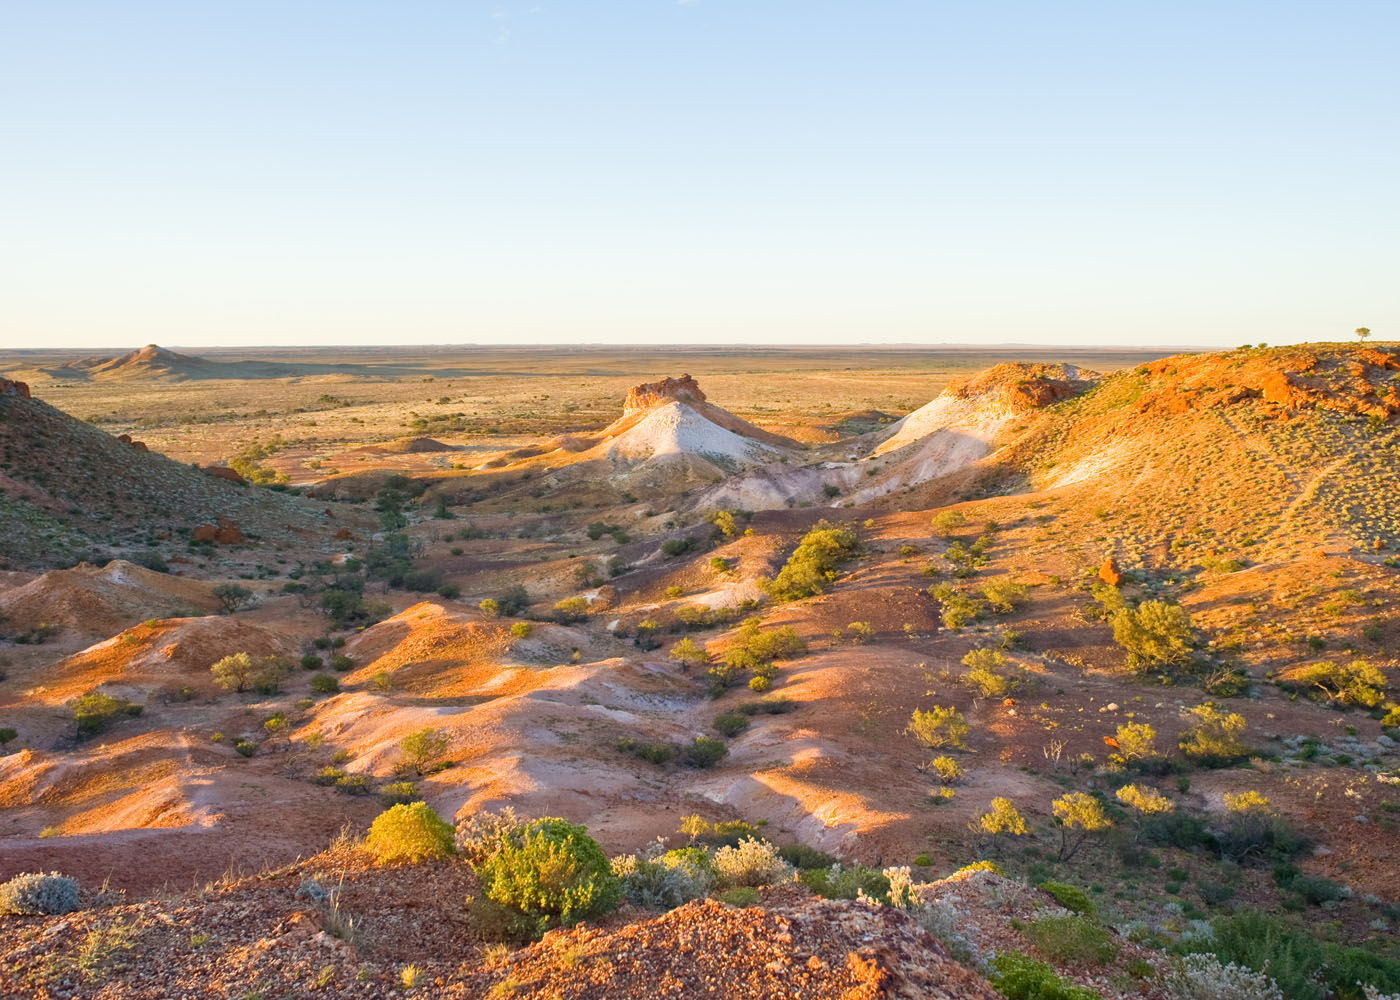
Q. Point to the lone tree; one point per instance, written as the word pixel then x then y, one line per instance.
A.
pixel 1078 815
pixel 241 672
pixel 232 596
pixel 1002 818
pixel 689 653
pixel 1363 332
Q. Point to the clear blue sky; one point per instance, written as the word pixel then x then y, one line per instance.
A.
pixel 287 172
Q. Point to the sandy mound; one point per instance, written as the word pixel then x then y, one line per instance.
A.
pixel 174 653
pixel 99 601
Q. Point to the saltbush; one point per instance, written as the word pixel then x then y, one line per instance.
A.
pixel 1204 977
pixel 411 832
pixel 95 711
pixel 1071 897
pixel 1072 939
pixel 940 726
pixel 37 894
pixel 751 862
pixel 813 564
pixel 662 882
pixel 480 835
pixel 549 872
pixel 847 882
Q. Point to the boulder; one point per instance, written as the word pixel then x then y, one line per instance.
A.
pixel 11 388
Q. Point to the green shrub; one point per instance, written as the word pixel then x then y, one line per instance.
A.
pixel 1020 977
pixel 399 793
pixel 1292 958
pixel 1213 736
pixel 731 723
pixel 324 684
pixel 841 882
pixel 311 662
pixel 1072 939
pixel 37 894
pixel 705 752
pixel 423 749
pixel 1071 897
pixel 813 564
pixel 940 726
pixel 411 833
pixel 1155 634
pixel 571 609
pixel 243 672
pixel 95 711
pixel 1357 683
pixel 652 753
pixel 949 771
pixel 549 872
pixel 750 862
pixel 740 895
pixel 802 857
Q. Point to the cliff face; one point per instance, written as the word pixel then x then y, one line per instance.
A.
pixel 650 394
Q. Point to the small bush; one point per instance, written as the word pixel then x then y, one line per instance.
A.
pixel 244 672
pixel 664 882
pixel 1357 683
pixel 95 711
pixel 409 833
pixel 940 726
pixel 481 834
pixel 571 609
pixel 324 684
pixel 1155 634
pixel 751 862
pixel 705 752
pixel 1204 977
pixel 1213 736
pixel 423 749
pixel 731 723
pixel 652 753
pixel 399 793
pixel 949 771
pixel 37 894
pixel 802 857
pixel 1071 897
pixel 311 662
pixel 841 882
pixel 1072 939
pixel 812 566
pixel 549 872
pixel 1020 977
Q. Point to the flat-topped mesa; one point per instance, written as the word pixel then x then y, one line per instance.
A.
pixel 10 388
pixel 652 394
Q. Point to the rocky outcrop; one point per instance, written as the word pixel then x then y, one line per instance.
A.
pixel 1024 386
pixel 11 388
pixel 225 532
pixel 224 472
pixel 650 394
pixel 127 439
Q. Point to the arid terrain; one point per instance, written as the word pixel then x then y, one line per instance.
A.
pixel 1119 630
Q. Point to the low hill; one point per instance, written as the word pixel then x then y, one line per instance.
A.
pixel 67 488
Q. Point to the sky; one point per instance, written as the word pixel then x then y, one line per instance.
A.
pixel 711 171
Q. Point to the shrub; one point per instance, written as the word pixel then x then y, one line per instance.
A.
pixel 411 833
pixel 841 882
pixel 1155 634
pixel 549 872
pixel 521 630
pixel 571 609
pixel 95 711
pixel 983 677
pixel 1136 741
pixel 342 663
pixel 243 671
pixel 940 726
pixel 949 771
pixel 1252 828
pixel 751 862
pixel 1072 939
pixel 481 834
pixel 509 603
pixel 705 752
pixel 399 793
pixel 1357 683
pixel 1001 818
pixel 1204 977
pixel 423 749
pixel 803 857
pixel 1213 737
pixel 324 684
pixel 1004 596
pixel 37 894
pixel 1019 977
pixel 664 882
pixel 731 723
pixel 652 753
pixel 1292 958
pixel 947 521
pixel 813 564
pixel 1071 897
pixel 232 596
pixel 958 609
pixel 689 653
pixel 311 662
pixel 7 736
pixel 1078 815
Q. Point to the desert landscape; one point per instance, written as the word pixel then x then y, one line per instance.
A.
pixel 700 672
